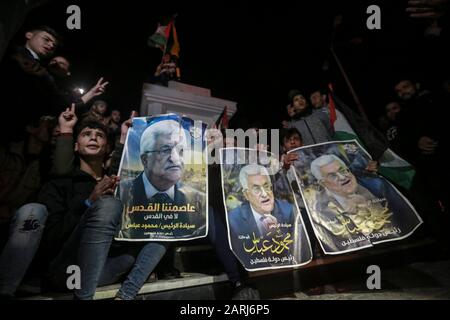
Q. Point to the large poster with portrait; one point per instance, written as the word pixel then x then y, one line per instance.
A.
pixel 265 228
pixel 163 184
pixel 349 207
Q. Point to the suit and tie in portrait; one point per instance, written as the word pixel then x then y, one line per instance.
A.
pixel 157 196
pixel 266 232
pixel 351 213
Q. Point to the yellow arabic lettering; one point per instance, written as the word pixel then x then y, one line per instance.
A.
pixel 133 226
pixel 255 245
pixel 275 246
pixel 346 222
pixel 283 244
pixel 265 247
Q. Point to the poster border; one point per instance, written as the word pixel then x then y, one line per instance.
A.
pixel 296 266
pixel 206 193
pixel 373 242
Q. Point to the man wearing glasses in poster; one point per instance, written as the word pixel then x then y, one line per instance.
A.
pixel 350 212
pixel 161 150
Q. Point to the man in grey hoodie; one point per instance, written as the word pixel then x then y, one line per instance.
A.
pixel 315 127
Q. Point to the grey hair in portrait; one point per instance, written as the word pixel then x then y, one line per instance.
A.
pixel 323 161
pixel 251 170
pixel 165 127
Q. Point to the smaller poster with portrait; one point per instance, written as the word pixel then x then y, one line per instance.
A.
pixel 265 228
pixel 350 208
pixel 163 184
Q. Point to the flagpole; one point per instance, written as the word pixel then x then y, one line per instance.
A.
pixel 165 47
pixel 171 23
pixel 344 74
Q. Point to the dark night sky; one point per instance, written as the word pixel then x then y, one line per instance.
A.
pixel 250 52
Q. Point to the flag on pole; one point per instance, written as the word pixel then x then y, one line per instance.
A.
pixel 222 121
pixel 159 38
pixel 173 45
pixel 166 38
pixel 332 106
pixel 348 125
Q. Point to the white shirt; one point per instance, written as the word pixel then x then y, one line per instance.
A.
pixel 344 202
pixel 341 200
pixel 34 54
pixel 259 223
pixel 150 190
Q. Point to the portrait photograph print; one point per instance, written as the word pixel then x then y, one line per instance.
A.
pixel 265 228
pixel 349 207
pixel 163 184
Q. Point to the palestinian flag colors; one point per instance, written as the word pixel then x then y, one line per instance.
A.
pixel 222 121
pixel 166 38
pixel 348 125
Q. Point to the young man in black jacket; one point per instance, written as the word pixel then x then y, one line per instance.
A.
pixel 83 217
pixel 26 85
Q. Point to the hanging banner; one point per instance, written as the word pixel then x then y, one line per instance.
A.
pixel 265 228
pixel 349 207
pixel 163 184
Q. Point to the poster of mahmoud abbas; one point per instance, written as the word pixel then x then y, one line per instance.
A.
pixel 349 207
pixel 265 228
pixel 163 184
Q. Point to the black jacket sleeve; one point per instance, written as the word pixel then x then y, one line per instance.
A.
pixel 64 213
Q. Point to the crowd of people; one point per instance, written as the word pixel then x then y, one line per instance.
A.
pixel 59 170
pixel 58 176
pixel 413 126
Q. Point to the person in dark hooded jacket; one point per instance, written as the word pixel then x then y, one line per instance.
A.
pixel 422 138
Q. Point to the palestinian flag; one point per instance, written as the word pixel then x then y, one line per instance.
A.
pixel 166 38
pixel 173 45
pixel 348 125
pixel 222 121
pixel 159 38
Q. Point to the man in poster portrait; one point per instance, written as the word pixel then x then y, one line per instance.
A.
pixel 162 146
pixel 350 207
pixel 261 213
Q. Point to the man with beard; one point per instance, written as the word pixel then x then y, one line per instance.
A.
pixel 319 101
pixel 97 111
pixel 314 127
pixel 113 121
pixel 418 132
